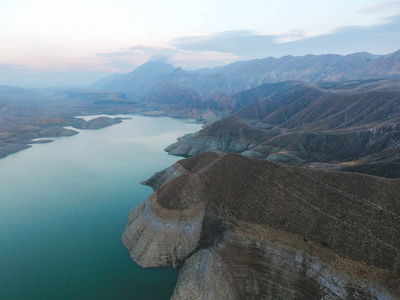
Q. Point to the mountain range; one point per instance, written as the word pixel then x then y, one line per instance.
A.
pixel 310 125
pixel 316 111
pixel 243 75
pixel 275 219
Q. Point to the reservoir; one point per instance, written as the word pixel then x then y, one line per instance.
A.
pixel 63 209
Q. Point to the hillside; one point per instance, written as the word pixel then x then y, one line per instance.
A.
pixel 241 228
pixel 309 125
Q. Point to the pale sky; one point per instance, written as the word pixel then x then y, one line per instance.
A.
pixel 88 39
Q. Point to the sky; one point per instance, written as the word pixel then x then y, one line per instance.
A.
pixel 54 43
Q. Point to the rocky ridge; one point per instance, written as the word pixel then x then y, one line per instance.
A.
pixel 243 228
pixel 336 126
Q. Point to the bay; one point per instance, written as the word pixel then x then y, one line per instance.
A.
pixel 63 208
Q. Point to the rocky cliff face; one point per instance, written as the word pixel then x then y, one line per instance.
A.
pixel 241 228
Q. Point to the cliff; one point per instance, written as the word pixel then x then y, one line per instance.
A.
pixel 241 228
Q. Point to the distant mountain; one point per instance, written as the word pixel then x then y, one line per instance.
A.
pixel 173 96
pixel 206 85
pixel 312 68
pixel 386 66
pixel 243 75
pixel 106 80
pixel 138 82
pixel 18 95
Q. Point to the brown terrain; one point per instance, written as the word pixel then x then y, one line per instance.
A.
pixel 244 228
pixel 352 126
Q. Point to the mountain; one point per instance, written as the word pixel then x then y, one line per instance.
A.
pixel 206 85
pixel 105 81
pixel 386 66
pixel 138 82
pixel 305 124
pixel 174 101
pixel 231 134
pixel 311 68
pixel 244 75
pixel 16 95
pixel 242 228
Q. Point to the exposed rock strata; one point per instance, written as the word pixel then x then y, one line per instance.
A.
pixel 231 134
pixel 242 228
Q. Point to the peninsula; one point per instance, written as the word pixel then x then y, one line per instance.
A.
pixel 244 228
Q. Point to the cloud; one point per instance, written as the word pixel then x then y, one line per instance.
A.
pixel 116 54
pixel 384 8
pixel 125 59
pixel 202 59
pixel 157 53
pixel 380 39
pixel 140 50
pixel 194 52
pixel 241 42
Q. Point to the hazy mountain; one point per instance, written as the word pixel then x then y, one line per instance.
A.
pixel 206 85
pixel 138 82
pixel 386 66
pixel 18 95
pixel 243 75
pixel 103 82
pixel 173 96
pixel 313 68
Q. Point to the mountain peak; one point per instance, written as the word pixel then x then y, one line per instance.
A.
pixel 179 70
pixel 154 67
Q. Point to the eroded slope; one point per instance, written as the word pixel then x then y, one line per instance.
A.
pixel 242 228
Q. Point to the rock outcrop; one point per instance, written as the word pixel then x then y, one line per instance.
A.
pixel 96 123
pixel 242 228
pixel 231 134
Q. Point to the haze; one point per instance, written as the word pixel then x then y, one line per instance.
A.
pixel 73 43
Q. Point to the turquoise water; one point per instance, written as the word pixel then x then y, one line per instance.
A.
pixel 63 208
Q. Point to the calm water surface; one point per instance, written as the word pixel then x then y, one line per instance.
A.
pixel 63 208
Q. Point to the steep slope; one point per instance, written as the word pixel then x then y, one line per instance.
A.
pixel 174 101
pixel 240 228
pixel 230 134
pixel 387 66
pixel 332 126
pixel 222 102
pixel 206 85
